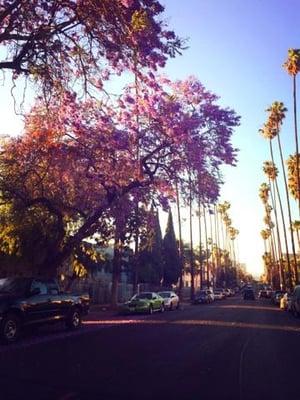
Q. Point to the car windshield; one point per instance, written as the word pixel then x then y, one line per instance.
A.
pixel 16 286
pixel 165 295
pixel 142 296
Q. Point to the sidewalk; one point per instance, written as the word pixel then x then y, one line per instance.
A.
pixel 102 311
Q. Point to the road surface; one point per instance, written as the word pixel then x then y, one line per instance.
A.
pixel 231 349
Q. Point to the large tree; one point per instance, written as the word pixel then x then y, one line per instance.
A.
pixel 77 160
pixel 60 42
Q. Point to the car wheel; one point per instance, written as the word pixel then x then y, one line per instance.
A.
pixel 162 308
pixel 171 306
pixel 10 328
pixel 74 321
pixel 150 309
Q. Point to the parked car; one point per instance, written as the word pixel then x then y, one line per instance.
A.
pixel 171 300
pixel 295 301
pixel 269 292
pixel 219 294
pixel 262 294
pixel 285 302
pixel 144 302
pixel 204 297
pixel 276 296
pixel 248 294
pixel 33 301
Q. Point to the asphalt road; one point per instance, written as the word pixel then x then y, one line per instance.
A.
pixel 228 350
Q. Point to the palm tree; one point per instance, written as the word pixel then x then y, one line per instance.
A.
pixel 292 66
pixel 265 234
pixel 276 116
pixel 222 210
pixel 296 228
pixel 271 172
pixel 233 232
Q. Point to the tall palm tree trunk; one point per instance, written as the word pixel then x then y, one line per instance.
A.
pixel 223 247
pixel 217 234
pixel 213 259
pixel 279 247
pixel 234 258
pixel 289 216
pixel 180 241
pixel 282 218
pixel 192 265
pixel 276 257
pixel 200 243
pixel 206 245
pixel 137 155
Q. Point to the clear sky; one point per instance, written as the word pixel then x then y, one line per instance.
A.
pixel 236 48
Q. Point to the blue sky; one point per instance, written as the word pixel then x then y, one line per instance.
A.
pixel 236 49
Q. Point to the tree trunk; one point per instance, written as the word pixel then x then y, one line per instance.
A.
pixel 280 259
pixel 206 245
pixel 136 262
pixel 118 245
pixel 213 264
pixel 180 242
pixel 218 271
pixel 200 244
pixel 191 247
pixel 289 216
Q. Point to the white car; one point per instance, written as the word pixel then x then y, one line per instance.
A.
pixel 219 294
pixel 171 300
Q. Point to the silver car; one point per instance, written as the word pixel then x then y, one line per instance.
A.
pixel 171 300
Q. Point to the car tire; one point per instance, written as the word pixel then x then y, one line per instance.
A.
pixel 171 306
pixel 10 328
pixel 74 321
pixel 150 311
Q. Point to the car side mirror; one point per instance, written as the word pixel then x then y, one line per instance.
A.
pixel 35 291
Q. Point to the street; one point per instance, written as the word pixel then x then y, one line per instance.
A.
pixel 231 349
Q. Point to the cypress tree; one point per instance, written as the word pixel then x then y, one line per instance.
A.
pixel 151 259
pixel 172 265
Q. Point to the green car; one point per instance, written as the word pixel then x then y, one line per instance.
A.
pixel 144 302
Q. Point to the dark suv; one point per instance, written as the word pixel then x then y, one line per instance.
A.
pixel 32 301
pixel 248 294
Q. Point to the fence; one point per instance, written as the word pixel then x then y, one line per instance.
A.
pixel 100 292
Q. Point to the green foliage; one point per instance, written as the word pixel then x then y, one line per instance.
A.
pixel 27 236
